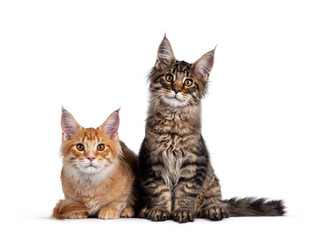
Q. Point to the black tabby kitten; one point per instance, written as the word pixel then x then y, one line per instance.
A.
pixel 177 178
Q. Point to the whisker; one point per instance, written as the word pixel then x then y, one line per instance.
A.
pixel 154 109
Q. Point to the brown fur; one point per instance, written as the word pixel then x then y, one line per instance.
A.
pixel 177 178
pixel 238 207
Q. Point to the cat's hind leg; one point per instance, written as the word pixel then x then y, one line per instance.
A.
pixel 214 212
pixel 209 204
pixel 70 209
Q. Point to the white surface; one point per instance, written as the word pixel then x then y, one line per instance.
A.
pixel 261 119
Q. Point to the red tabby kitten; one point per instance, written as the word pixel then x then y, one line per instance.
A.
pixel 97 174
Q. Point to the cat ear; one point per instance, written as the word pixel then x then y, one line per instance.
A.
pixel 203 66
pixel 111 125
pixel 68 124
pixel 165 55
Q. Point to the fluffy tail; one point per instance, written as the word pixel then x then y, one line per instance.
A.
pixel 68 209
pixel 237 207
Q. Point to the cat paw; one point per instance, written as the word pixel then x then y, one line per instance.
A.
pixel 214 213
pixel 155 214
pixel 183 215
pixel 127 212
pixel 108 213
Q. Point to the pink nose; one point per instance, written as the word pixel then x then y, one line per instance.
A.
pixel 91 158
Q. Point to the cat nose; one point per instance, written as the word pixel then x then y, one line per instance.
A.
pixel 176 90
pixel 91 158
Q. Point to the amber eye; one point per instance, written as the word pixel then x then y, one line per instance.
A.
pixel 169 78
pixel 188 82
pixel 80 147
pixel 101 147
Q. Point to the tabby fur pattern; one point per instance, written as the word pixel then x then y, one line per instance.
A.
pixel 177 179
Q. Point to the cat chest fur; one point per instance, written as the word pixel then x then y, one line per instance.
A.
pixel 170 153
pixel 172 143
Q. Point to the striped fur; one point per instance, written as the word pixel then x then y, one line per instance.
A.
pixel 177 179
pixel 238 207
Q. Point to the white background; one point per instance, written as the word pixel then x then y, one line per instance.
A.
pixel 261 119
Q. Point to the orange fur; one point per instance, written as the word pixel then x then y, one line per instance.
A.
pixel 70 209
pixel 105 191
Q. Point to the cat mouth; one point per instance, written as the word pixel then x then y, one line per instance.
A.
pixel 175 98
pixel 91 166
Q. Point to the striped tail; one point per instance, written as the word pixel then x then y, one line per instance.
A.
pixel 237 207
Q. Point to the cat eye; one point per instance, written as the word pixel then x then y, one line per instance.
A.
pixel 188 82
pixel 169 78
pixel 101 147
pixel 80 147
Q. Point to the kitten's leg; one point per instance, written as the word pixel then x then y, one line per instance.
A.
pixel 69 208
pixel 158 200
pixel 157 196
pixel 210 203
pixel 127 212
pixel 111 211
pixel 193 175
pixel 194 171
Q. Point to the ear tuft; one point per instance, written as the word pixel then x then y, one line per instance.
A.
pixel 203 66
pixel 165 55
pixel 68 124
pixel 111 125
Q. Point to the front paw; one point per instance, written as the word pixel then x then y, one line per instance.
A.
pixel 155 214
pixel 214 213
pixel 108 213
pixel 127 212
pixel 183 215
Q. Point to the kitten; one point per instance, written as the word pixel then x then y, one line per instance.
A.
pixel 98 171
pixel 177 178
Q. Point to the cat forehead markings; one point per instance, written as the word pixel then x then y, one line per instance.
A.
pixel 181 66
pixel 90 134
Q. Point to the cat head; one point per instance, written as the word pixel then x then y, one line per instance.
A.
pixel 89 150
pixel 178 83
